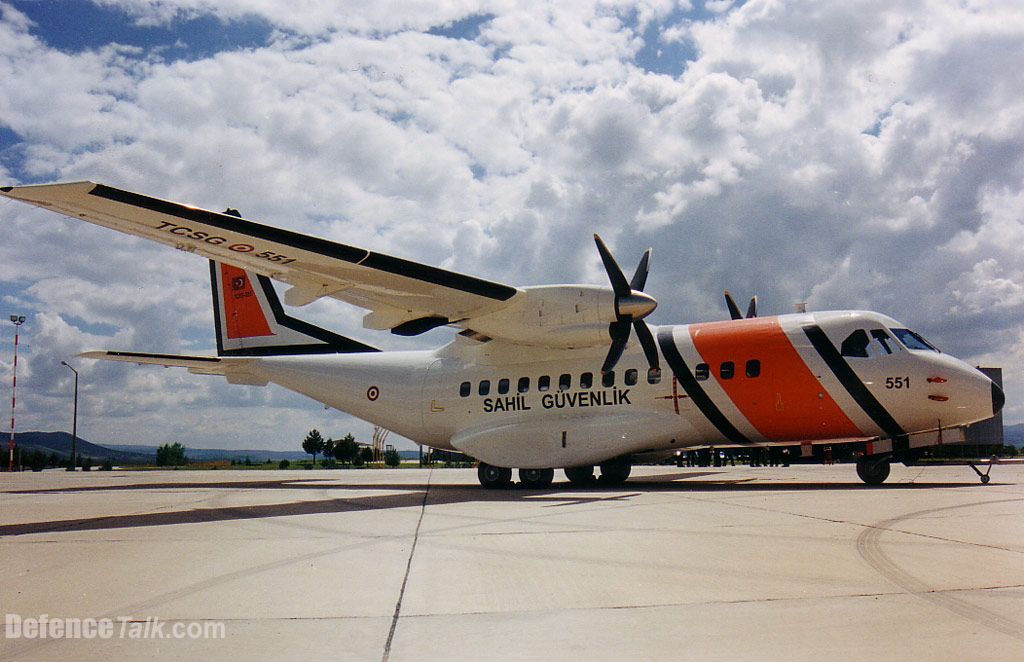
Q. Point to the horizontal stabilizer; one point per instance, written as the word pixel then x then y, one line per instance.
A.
pixel 236 370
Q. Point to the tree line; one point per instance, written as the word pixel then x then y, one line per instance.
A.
pixel 343 451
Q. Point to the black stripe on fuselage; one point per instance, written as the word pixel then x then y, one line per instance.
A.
pixel 694 389
pixel 362 257
pixel 851 382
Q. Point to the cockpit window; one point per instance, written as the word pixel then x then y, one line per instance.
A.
pixel 860 345
pixel 856 345
pixel 912 340
pixel 885 340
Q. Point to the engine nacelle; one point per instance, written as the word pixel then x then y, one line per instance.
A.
pixel 563 316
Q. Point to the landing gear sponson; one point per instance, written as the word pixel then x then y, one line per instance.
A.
pixel 613 472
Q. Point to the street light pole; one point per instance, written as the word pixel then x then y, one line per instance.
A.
pixel 18 320
pixel 74 418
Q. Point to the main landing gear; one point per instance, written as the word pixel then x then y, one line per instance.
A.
pixel 613 472
pixel 873 470
pixel 493 477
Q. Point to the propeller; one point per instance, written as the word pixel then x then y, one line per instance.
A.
pixel 631 307
pixel 734 310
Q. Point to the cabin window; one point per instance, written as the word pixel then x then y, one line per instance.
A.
pixel 544 383
pixel 587 380
pixel 502 386
pixel 608 379
pixel 630 377
pixel 654 376
pixel 464 389
pixel 727 369
pixel 701 372
pixel 485 387
pixel 524 384
pixel 564 382
pixel 753 368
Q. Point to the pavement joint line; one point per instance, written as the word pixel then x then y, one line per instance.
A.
pixel 408 568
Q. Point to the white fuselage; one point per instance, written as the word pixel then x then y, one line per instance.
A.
pixel 773 380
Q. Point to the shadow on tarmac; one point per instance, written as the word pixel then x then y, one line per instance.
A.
pixel 409 496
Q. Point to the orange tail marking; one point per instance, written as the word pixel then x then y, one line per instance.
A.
pixel 244 316
pixel 785 402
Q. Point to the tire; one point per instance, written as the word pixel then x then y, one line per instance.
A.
pixel 615 472
pixel 492 477
pixel 873 471
pixel 580 476
pixel 536 479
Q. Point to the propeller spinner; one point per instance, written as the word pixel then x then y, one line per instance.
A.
pixel 631 307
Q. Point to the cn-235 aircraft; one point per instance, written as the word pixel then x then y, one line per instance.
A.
pixel 545 378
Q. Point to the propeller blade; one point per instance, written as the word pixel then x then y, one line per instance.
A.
pixel 640 275
pixel 643 332
pixel 734 310
pixel 752 308
pixel 619 332
pixel 615 275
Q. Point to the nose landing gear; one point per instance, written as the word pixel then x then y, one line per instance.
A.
pixel 873 470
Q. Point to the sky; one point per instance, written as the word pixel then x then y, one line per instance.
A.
pixel 854 155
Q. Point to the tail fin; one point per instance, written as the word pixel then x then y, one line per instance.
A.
pixel 250 320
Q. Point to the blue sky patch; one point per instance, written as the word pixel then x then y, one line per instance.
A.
pixel 465 28
pixel 74 26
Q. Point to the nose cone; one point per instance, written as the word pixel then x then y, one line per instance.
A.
pixel 998 399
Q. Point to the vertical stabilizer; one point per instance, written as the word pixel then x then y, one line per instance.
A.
pixel 250 320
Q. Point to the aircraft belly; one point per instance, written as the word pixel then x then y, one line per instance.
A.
pixel 565 441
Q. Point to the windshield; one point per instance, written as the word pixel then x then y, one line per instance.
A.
pixel 912 340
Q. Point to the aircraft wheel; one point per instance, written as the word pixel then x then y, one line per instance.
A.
pixel 493 477
pixel 872 471
pixel 580 476
pixel 536 479
pixel 985 479
pixel 615 472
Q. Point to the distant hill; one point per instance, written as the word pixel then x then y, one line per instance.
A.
pixel 1014 435
pixel 214 454
pixel 60 443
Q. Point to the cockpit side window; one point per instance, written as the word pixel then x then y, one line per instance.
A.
pixel 912 340
pixel 856 345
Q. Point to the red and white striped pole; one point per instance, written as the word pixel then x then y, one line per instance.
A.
pixel 18 320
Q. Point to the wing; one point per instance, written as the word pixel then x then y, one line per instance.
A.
pixel 404 296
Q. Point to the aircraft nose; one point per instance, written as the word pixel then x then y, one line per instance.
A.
pixel 998 399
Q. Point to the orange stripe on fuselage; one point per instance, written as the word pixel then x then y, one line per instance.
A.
pixel 786 402
pixel 244 316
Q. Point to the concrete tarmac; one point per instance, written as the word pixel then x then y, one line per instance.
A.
pixel 737 563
